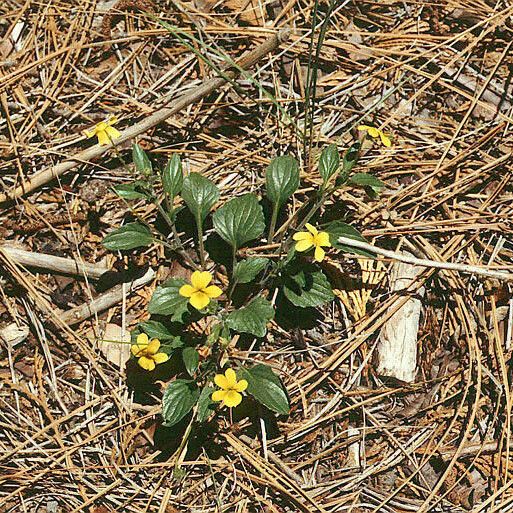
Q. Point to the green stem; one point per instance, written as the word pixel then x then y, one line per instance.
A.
pixel 233 282
pixel 272 226
pixel 200 243
pixel 180 249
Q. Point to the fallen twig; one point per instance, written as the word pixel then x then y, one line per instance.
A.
pixel 105 301
pixel 53 263
pixel 159 116
pixel 463 268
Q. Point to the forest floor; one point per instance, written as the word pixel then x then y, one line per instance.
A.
pixel 435 77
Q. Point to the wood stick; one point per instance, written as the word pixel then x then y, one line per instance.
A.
pixel 53 263
pixel 162 113
pixel 463 268
pixel 108 299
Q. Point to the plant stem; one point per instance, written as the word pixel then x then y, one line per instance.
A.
pixel 200 243
pixel 176 236
pixel 233 282
pixel 272 226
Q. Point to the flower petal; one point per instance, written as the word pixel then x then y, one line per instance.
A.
pixel 200 279
pixel 241 385
pixel 323 239
pixel 385 139
pixel 136 350
pixel 312 229
pixel 160 357
pixel 231 378
pixel 89 133
pixel 146 363
pixel 218 395
pixel 221 381
pixel 213 291
pixel 112 120
pixel 153 346
pixel 302 236
pixel 113 133
pixel 373 132
pixel 304 245
pixel 319 254
pixel 103 138
pixel 363 127
pixel 232 398
pixel 199 300
pixel 186 290
pixel 142 339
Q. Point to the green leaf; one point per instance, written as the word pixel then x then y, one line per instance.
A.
pixel 172 176
pixel 129 191
pixel 190 359
pixel 130 236
pixel 282 179
pixel 155 329
pixel 178 400
pixel 252 318
pixel 205 404
pixel 350 158
pixel 141 160
pixel 200 195
pixel 338 229
pixel 167 301
pixel 329 162
pixel 365 180
pixel 240 220
pixel 266 387
pixel 247 270
pixel 309 287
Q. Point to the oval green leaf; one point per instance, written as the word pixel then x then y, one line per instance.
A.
pixel 141 160
pixel 190 359
pixel 200 195
pixel 338 229
pixel 247 270
pixel 266 387
pixel 166 300
pixel 178 400
pixel 130 236
pixel 308 288
pixel 172 176
pixel 366 180
pixel 205 404
pixel 240 220
pixel 329 162
pixel 252 318
pixel 282 179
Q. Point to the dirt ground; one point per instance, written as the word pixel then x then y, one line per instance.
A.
pixel 80 429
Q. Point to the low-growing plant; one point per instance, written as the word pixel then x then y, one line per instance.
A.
pixel 195 321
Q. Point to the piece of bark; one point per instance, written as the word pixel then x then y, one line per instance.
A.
pixel 114 343
pixel 397 343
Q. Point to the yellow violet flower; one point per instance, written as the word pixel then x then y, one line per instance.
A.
pixel 147 352
pixel 200 293
pixel 375 133
pixel 231 389
pixel 105 132
pixel 312 238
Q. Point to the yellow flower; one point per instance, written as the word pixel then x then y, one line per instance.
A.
pixel 312 238
pixel 231 389
pixel 375 133
pixel 199 292
pixel 147 352
pixel 105 132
